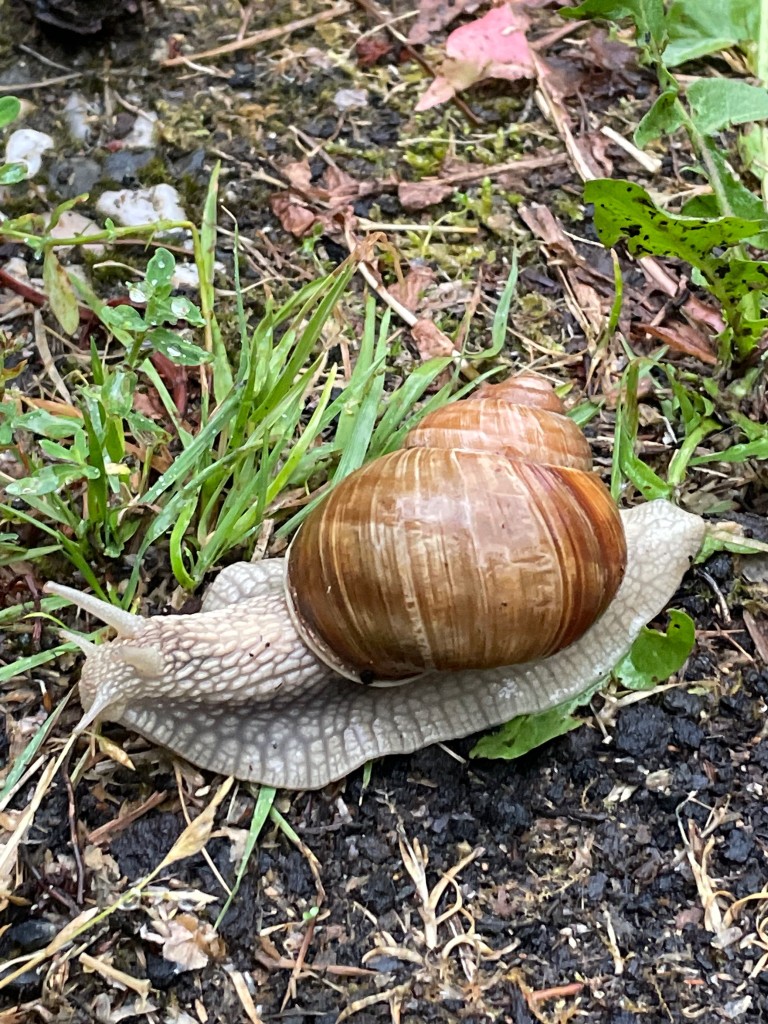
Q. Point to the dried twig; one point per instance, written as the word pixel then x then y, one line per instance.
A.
pixel 248 42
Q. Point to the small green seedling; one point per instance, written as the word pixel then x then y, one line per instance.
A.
pixel 10 108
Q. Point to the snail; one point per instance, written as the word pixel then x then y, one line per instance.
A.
pixel 481 572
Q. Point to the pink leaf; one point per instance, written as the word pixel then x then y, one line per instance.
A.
pixel 494 46
pixel 499 36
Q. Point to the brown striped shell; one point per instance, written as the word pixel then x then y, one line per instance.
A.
pixel 486 541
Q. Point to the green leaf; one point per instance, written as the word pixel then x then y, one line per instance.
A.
pixel 50 480
pixel 754 431
pixel 718 103
pixel 757 449
pixel 727 536
pixel 648 16
pixel 525 733
pixel 11 174
pixel 117 391
pixel 181 308
pixel 650 484
pixel 54 450
pixel 176 348
pixel 699 27
pixel 10 108
pixel 625 210
pixel 46 425
pixel 264 801
pixel 741 200
pixel 122 318
pixel 656 656
pixel 739 276
pixel 664 117
pixel 60 294
pixel 160 271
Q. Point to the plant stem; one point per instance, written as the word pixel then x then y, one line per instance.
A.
pixel 761 73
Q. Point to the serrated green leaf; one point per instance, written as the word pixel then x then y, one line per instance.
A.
pixel 656 656
pixel 525 733
pixel 625 210
pixel 718 103
pixel 699 27
pixel 664 117
pixel 648 16
pixel 739 276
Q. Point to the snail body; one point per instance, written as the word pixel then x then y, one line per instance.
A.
pixel 484 569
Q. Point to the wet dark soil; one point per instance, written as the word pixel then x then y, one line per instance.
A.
pixel 615 876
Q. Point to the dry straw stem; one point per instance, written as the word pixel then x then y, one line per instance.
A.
pixel 191 841
pixel 257 38
pixel 9 850
pixel 415 858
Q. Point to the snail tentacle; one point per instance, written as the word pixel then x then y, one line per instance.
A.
pixel 124 622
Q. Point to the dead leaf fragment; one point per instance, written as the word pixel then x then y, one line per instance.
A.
pixel 299 174
pixel 436 14
pixel 327 202
pixel 419 195
pixel 544 225
pixel 370 50
pixel 430 340
pixel 292 213
pixel 683 338
pixel 757 627
pixel 688 916
pixel 494 46
pixel 186 941
pixel 611 54
pixel 410 290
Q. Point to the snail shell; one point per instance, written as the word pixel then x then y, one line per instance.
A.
pixel 237 689
pixel 486 541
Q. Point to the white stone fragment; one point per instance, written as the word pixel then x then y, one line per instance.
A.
pixel 76 114
pixel 26 146
pixel 351 99
pixel 132 207
pixel 72 224
pixel 144 132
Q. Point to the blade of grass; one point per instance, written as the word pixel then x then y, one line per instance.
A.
pixel 264 802
pixel 30 750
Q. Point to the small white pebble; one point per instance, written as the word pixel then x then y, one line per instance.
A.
pixel 132 207
pixel 26 146
pixel 351 99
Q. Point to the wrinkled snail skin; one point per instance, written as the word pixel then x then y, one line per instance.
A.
pixel 236 689
pixel 311 728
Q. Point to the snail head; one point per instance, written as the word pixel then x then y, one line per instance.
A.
pixel 113 673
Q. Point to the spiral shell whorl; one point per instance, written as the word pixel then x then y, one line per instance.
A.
pixel 485 542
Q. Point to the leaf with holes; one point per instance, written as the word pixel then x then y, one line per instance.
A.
pixel 656 656
pixel 625 210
